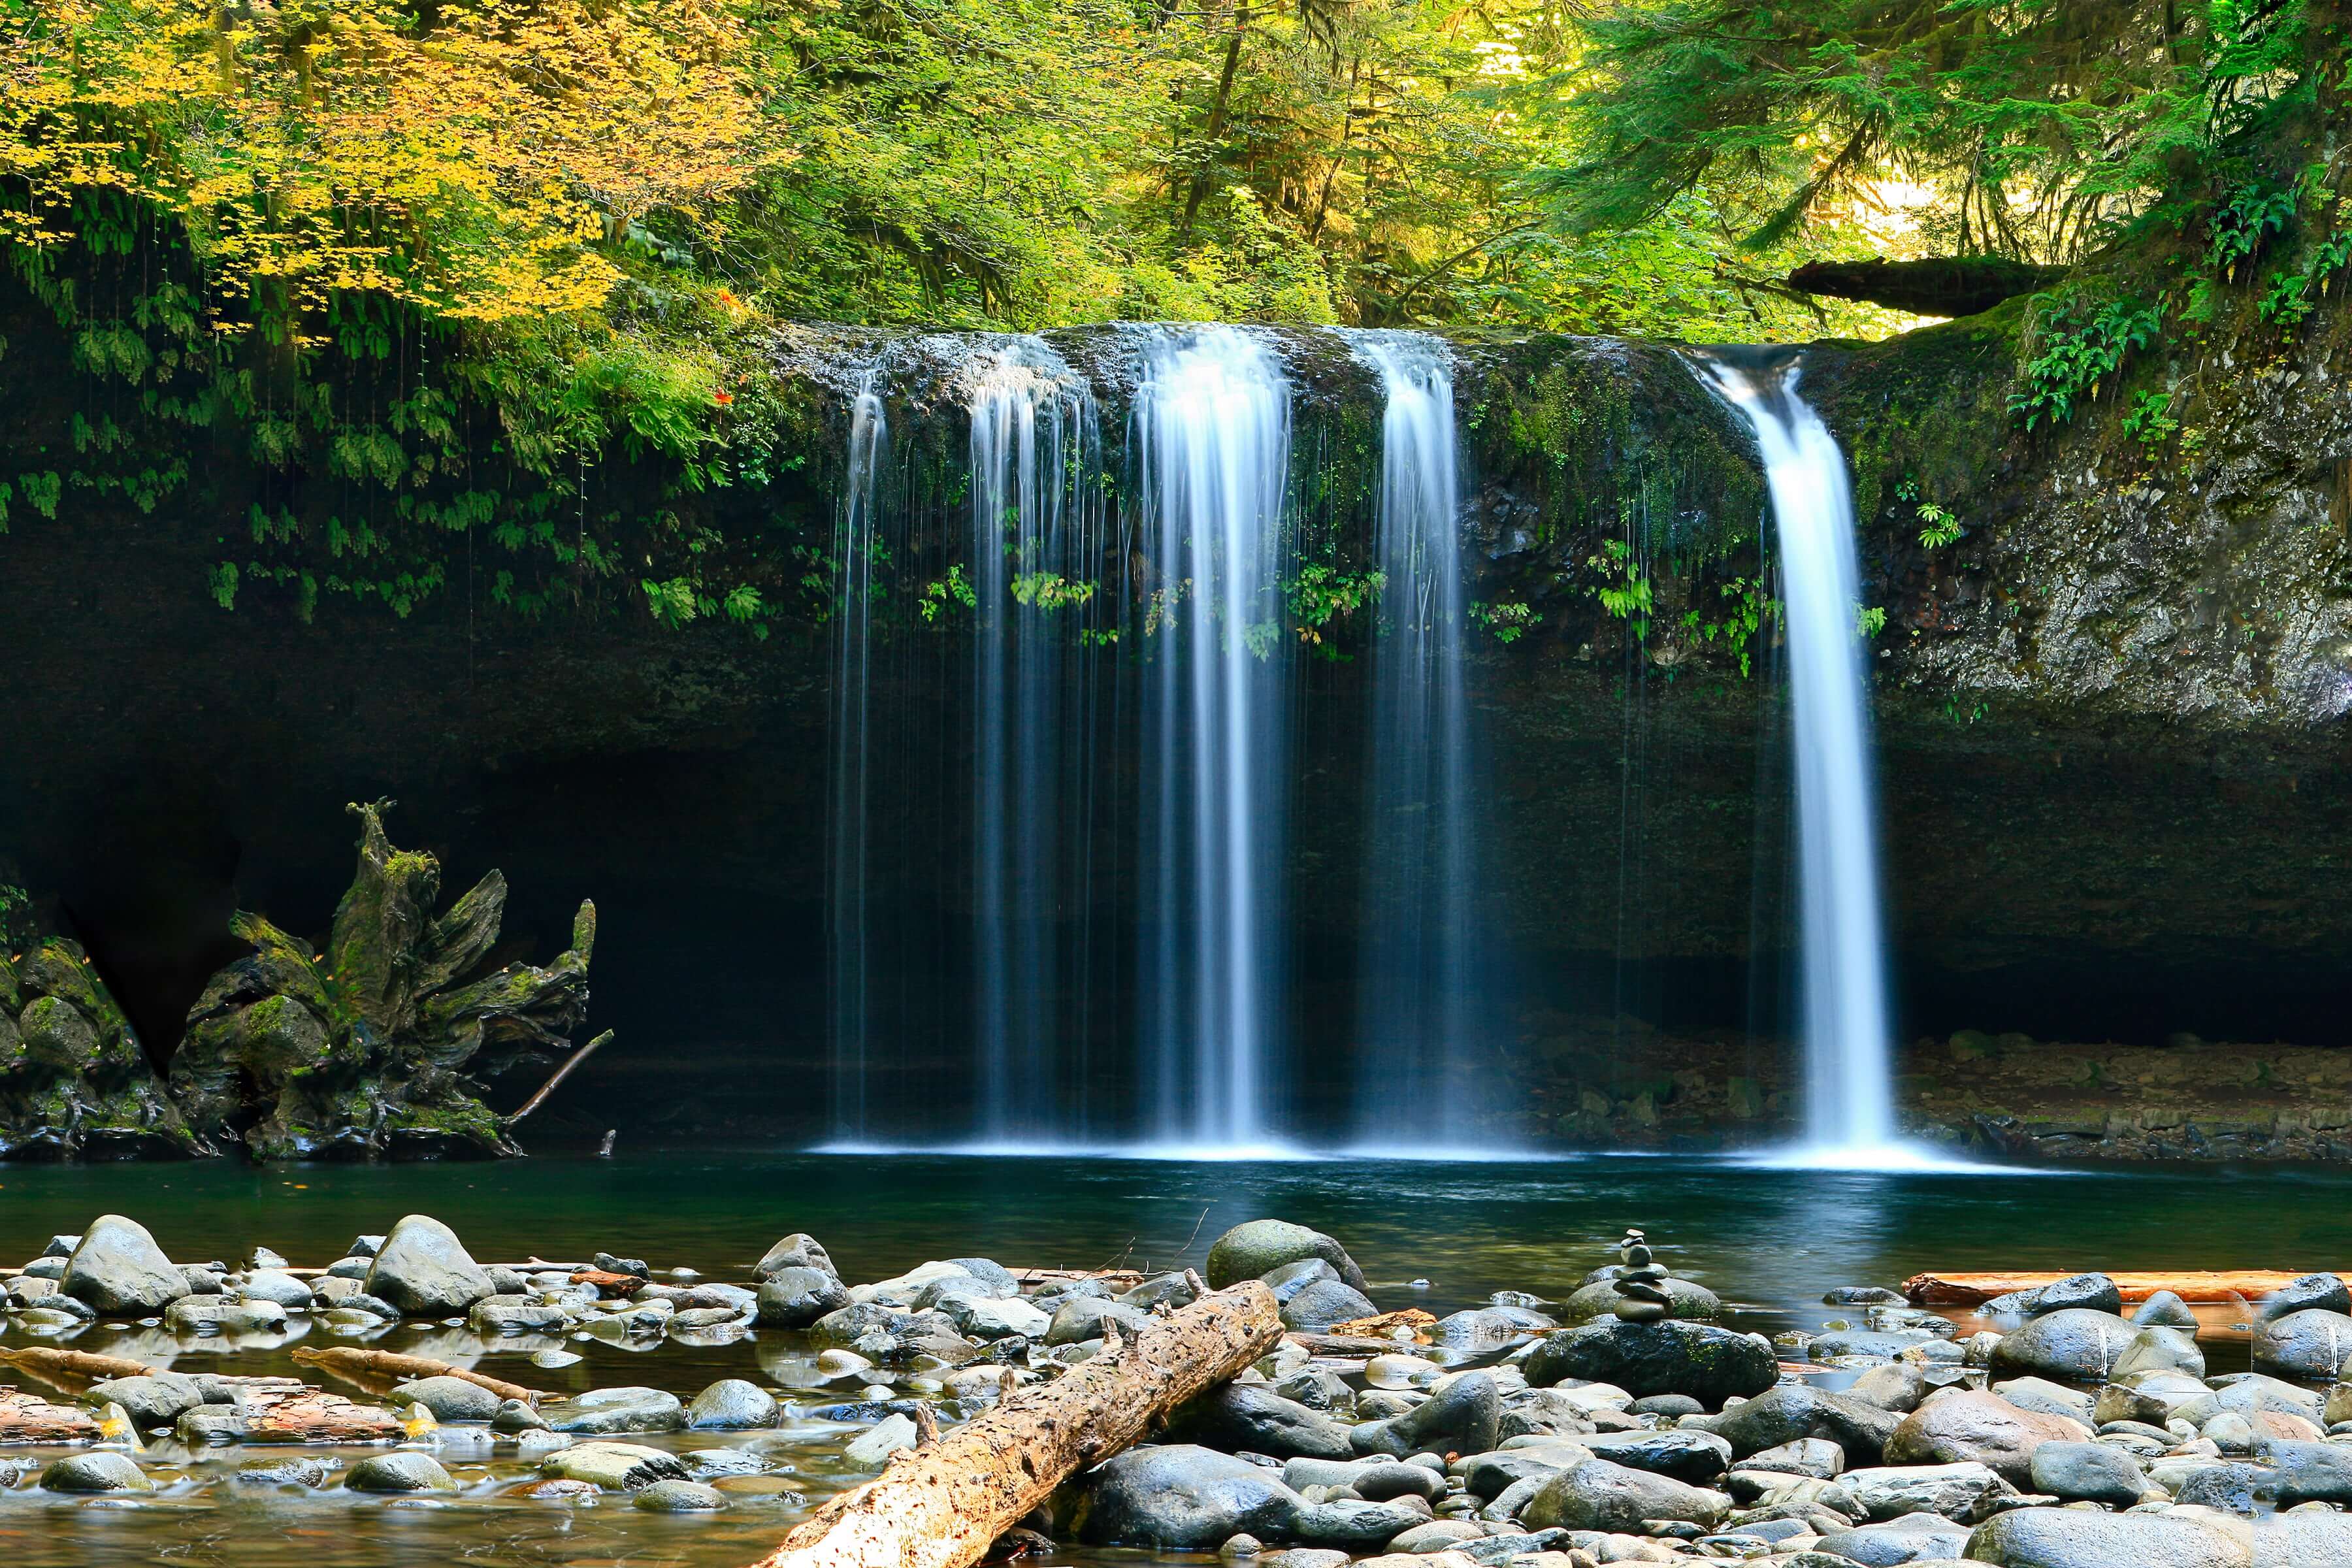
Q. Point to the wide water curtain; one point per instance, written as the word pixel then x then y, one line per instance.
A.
pixel 1418 1026
pixel 1849 1091
pixel 855 545
pixel 1211 432
pixel 1036 542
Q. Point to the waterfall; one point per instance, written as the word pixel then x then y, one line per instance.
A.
pixel 1849 1090
pixel 1418 1021
pixel 855 546
pixel 1036 542
pixel 1211 435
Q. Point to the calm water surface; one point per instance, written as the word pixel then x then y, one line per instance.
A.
pixel 1769 1241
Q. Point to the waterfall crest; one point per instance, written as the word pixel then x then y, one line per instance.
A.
pixel 1211 437
pixel 1849 1085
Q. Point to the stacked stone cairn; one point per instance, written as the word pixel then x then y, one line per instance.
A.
pixel 1641 1289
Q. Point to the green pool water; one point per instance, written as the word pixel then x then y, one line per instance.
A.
pixel 1769 1241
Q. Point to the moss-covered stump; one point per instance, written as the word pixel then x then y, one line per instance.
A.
pixel 74 1078
pixel 378 1045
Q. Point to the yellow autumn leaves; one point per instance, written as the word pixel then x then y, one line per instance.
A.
pixel 483 167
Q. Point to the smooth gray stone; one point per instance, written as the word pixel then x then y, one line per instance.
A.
pixel 1698 1457
pixel 2325 1291
pixel 406 1471
pixel 798 1250
pixel 1710 1363
pixel 797 1296
pixel 1180 1496
pixel 1815 1456
pixel 1437 1535
pixel 608 1410
pixel 425 1271
pixel 681 1497
pixel 152 1401
pixel 2072 1345
pixel 1488 1476
pixel 1899 1387
pixel 2089 1472
pixel 2081 1538
pixel 2094 1292
pixel 731 1404
pixel 1325 1302
pixel 2310 1345
pixel 119 1271
pixel 1291 1278
pixel 1914 1537
pixel 1252 1418
pixel 1375 1481
pixel 1598 1494
pixel 1081 1319
pixel 1169 1287
pixel 2310 1472
pixel 2048 1398
pixel 1684 1298
pixel 98 1472
pixel 2164 1310
pixel 269 1285
pixel 1785 1415
pixel 1964 1491
pixel 1257 1248
pixel 1463 1417
pixel 449 1398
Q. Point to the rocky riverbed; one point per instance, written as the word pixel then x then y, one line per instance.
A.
pixel 468 1406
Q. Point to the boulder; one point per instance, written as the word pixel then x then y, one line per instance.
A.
pixel 1684 1299
pixel 1177 1496
pixel 1323 1303
pixel 2087 1472
pixel 731 1404
pixel 2324 1291
pixel 797 1296
pixel 2310 1345
pixel 1462 1416
pixel 1898 1387
pixel 1080 1319
pixel 607 1410
pixel 1598 1494
pixel 1785 1415
pixel 1250 1417
pixel 1710 1363
pixel 990 1318
pixel 2163 1309
pixel 2079 1538
pixel 1489 1475
pixel 2050 1398
pixel 798 1250
pixel 681 1497
pixel 425 1271
pixel 1963 1491
pixel 152 1401
pixel 1698 1457
pixel 118 1270
pixel 1484 1328
pixel 615 1467
pixel 2157 1349
pixel 2226 1487
pixel 2310 1472
pixel 401 1472
pixel 1374 1480
pixel 449 1398
pixel 1914 1537
pixel 101 1472
pixel 1257 1248
pixel 1982 1427
pixel 1815 1456
pixel 2092 1293
pixel 2072 1345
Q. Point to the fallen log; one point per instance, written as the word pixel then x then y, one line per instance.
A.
pixel 2190 1285
pixel 310 1415
pixel 1348 1347
pixel 1383 1325
pixel 28 1419
pixel 72 1369
pixel 370 1369
pixel 1937 286
pixel 945 1504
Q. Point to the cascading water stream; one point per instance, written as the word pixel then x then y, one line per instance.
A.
pixel 856 543
pixel 1212 436
pixel 1849 1086
pixel 1035 538
pixel 1419 1026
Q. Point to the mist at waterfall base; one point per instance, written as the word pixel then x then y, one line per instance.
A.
pixel 1848 1033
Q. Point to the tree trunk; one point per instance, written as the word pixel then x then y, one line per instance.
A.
pixel 389 1368
pixel 944 1505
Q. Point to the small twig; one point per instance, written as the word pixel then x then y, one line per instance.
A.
pixel 573 1060
pixel 1196 1232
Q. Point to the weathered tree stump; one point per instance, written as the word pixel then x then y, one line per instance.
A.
pixel 945 1504
pixel 73 1076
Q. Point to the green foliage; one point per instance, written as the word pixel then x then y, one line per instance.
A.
pixel 2076 345
pixel 1745 609
pixel 2149 421
pixel 1624 590
pixel 1050 591
pixel 953 589
pixel 1938 526
pixel 1869 620
pixel 17 925
pixel 1509 622
pixel 1320 595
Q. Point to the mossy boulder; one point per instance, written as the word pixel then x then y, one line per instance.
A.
pixel 1259 1246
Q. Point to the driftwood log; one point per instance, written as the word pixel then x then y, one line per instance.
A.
pixel 1937 286
pixel 384 1369
pixel 75 1369
pixel 945 1504
pixel 28 1419
pixel 2190 1285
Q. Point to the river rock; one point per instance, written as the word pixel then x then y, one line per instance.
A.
pixel 731 1404
pixel 1080 1319
pixel 117 1269
pixel 1437 1535
pixel 1489 1475
pixel 615 1467
pixel 1182 1498
pixel 994 1318
pixel 406 1471
pixel 797 1296
pixel 1257 1248
pixel 269 1285
pixel 2310 1472
pixel 1698 1457
pixel 2155 1349
pixel 1898 1387
pixel 304 1471
pixel 1463 1416
pixel 1962 1492
pixel 1374 1480
pixel 798 1250
pixel 2324 1291
pixel 1914 1537
pixel 2310 1345
pixel 1323 1303
pixel 681 1497
pixel 2039 1394
pixel 2077 1538
pixel 425 1271
pixel 1785 1415
pixel 1169 1287
pixel 607 1410
pixel 1355 1524
pixel 2071 1344
pixel 1240 1416
pixel 2163 1309
pixel 2087 1472
pixel 1481 1328
pixel 155 1400
pixel 2092 1293
pixel 1983 1427
pixel 1598 1494
pixel 1684 1299
pixel 1710 1363
pixel 449 1398
pixel 99 1472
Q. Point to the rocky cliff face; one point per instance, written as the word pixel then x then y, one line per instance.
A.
pixel 2108 712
